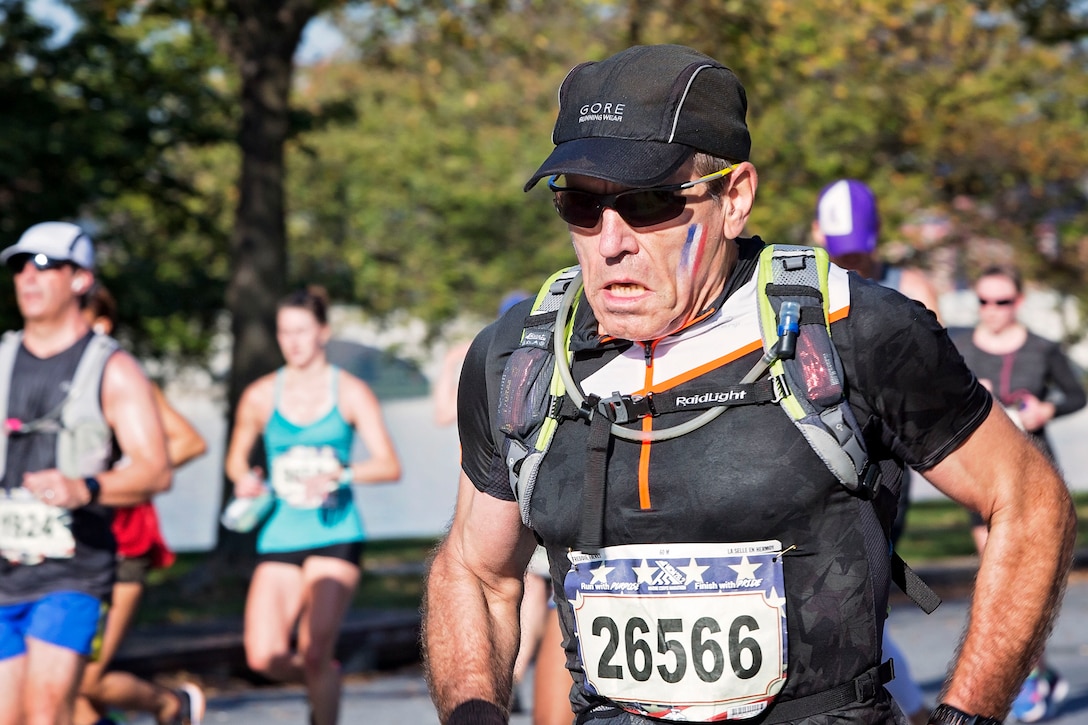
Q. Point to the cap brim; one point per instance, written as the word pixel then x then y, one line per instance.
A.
pixel 12 251
pixel 623 161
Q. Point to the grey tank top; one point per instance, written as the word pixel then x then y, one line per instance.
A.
pixel 38 386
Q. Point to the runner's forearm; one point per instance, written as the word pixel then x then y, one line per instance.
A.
pixel 132 484
pixel 1017 593
pixel 470 636
pixel 373 470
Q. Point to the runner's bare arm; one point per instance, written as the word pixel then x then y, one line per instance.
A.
pixel 183 442
pixel 444 394
pixel 361 409
pixel 999 473
pixel 470 626
pixel 128 405
pixel 254 408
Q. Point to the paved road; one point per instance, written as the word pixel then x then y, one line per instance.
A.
pixel 929 641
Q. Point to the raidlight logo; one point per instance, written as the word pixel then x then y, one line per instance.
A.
pixel 601 112
pixel 725 397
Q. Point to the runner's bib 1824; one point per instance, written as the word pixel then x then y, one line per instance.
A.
pixel 291 470
pixel 684 632
pixel 31 531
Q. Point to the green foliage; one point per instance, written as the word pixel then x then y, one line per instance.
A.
pixel 89 127
pixel 408 151
pixel 957 113
pixel 392 579
pixel 419 205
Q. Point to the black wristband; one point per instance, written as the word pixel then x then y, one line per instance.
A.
pixel 948 715
pixel 93 487
pixel 477 712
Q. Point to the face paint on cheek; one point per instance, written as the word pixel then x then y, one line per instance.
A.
pixel 692 253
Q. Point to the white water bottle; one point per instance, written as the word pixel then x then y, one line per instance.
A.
pixel 244 514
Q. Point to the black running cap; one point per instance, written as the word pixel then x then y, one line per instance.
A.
pixel 637 116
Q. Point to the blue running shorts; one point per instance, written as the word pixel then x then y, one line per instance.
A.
pixel 66 619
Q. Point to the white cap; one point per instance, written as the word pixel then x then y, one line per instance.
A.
pixel 56 240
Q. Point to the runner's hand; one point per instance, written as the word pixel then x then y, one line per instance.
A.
pixel 250 485
pixel 55 489
pixel 320 485
pixel 1035 413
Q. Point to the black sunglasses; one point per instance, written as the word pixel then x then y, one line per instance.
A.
pixel 637 207
pixel 1000 303
pixel 40 261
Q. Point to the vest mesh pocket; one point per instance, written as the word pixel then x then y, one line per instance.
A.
pixel 523 393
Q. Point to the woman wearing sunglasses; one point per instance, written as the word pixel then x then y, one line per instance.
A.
pixel 1035 382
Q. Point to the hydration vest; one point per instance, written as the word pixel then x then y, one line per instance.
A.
pixel 537 391
pixel 84 439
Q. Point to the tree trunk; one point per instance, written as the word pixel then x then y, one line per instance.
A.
pixel 264 38
pixel 260 36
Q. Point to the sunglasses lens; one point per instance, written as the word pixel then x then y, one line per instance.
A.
pixel 642 208
pixel 41 262
pixel 16 263
pixel 578 208
pixel 646 208
pixel 999 303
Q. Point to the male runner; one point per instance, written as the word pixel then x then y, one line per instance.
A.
pixel 720 570
pixel 66 428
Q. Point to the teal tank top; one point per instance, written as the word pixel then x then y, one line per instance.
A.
pixel 290 527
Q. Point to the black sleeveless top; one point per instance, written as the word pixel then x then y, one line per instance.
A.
pixel 38 387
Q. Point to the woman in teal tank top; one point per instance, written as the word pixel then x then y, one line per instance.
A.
pixel 309 548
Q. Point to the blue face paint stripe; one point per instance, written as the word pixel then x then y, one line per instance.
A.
pixel 690 252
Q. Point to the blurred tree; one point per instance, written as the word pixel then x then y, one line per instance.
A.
pixel 1052 21
pixel 88 122
pixel 932 103
pixel 260 38
pixel 419 205
pixel 971 113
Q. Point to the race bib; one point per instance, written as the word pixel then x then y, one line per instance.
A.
pixel 291 470
pixel 682 632
pixel 31 531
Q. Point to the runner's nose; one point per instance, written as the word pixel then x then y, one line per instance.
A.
pixel 616 236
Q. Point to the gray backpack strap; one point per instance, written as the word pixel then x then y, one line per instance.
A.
pixel 809 374
pixel 9 349
pixel 794 303
pixel 85 440
pixel 531 392
pixel 85 393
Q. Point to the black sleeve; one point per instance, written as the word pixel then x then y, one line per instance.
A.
pixel 906 377
pixel 1065 389
pixel 477 398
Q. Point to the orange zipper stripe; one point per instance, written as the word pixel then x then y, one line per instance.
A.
pixel 644 452
pixel 648 385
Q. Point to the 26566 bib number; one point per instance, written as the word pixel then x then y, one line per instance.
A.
pixel 707 658
pixel 681 650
